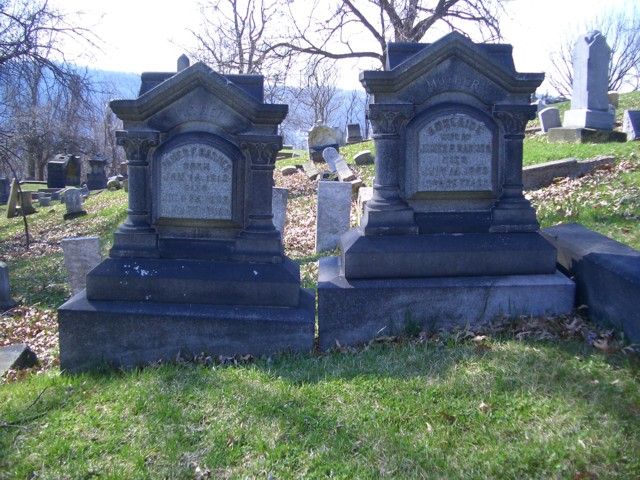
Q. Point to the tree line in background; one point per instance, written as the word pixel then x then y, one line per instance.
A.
pixel 50 106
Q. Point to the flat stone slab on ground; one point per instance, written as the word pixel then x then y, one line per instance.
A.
pixel 584 135
pixel 357 311
pixel 607 275
pixel 16 356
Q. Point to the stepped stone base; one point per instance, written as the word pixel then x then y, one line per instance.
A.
pixel 121 334
pixel 356 311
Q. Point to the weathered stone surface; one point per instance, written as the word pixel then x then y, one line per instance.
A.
pixel 584 135
pixel 356 311
pixel 198 264
pixel 331 156
pixel 279 202
pixel 549 118
pixel 5 186
pixel 6 302
pixel 288 170
pixel 310 170
pixel 120 334
pixel 321 137
pixel 589 100
pixel 607 275
pixel 114 183
pixel 345 174
pixel 364 195
pixel 455 153
pixel 64 170
pixel 354 134
pixel 631 124
pixel 26 203
pixel 542 175
pixel 44 200
pixel 12 203
pixel 334 208
pixel 73 203
pixel 81 255
pixel 363 157
pixel 97 176
pixel 16 356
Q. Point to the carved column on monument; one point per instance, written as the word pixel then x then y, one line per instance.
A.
pixel 136 237
pixel 260 153
pixel 513 212
pixel 386 212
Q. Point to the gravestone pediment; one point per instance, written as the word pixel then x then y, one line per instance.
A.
pixel 452 63
pixel 202 94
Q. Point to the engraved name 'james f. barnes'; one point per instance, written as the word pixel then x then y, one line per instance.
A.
pixel 195 183
pixel 455 153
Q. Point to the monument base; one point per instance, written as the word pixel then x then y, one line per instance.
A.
pixel 356 311
pixel 585 118
pixel 584 135
pixel 96 334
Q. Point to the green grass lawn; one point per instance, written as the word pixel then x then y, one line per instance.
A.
pixel 436 410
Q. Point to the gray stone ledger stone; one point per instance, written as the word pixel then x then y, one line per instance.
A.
pixel 549 118
pixel 334 208
pixel 607 275
pixel 631 124
pixel 589 99
pixel 6 302
pixel 73 203
pixel 279 201
pixel 81 255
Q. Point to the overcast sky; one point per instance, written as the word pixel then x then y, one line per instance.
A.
pixel 149 35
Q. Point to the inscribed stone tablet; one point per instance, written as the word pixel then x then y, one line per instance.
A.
pixel 455 153
pixel 195 183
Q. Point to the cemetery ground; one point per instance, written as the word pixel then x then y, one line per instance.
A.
pixel 537 398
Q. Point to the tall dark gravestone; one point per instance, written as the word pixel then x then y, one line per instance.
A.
pixel 64 170
pixel 448 237
pixel 97 176
pixel 198 266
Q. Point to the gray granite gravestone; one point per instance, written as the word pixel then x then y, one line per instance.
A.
pixel 6 302
pixel 26 203
pixel 64 170
pixel 334 209
pixel 448 237
pixel 5 186
pixel 44 200
pixel 73 203
pixel 631 124
pixel 364 157
pixel 549 118
pixel 198 265
pixel 354 134
pixel 589 118
pixel 97 176
pixel 319 138
pixel 12 202
pixel 81 255
pixel 279 200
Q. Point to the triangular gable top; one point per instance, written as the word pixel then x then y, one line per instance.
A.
pixel 197 75
pixel 456 45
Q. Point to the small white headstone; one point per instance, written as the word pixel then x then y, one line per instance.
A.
pixel 81 255
pixel 334 209
pixel 279 197
pixel 631 124
pixel 549 118
pixel 331 156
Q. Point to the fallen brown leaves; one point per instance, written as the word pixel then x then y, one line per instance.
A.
pixel 568 195
pixel 38 329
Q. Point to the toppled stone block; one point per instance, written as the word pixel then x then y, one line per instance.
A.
pixel 16 356
pixel 288 170
pixel 364 157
